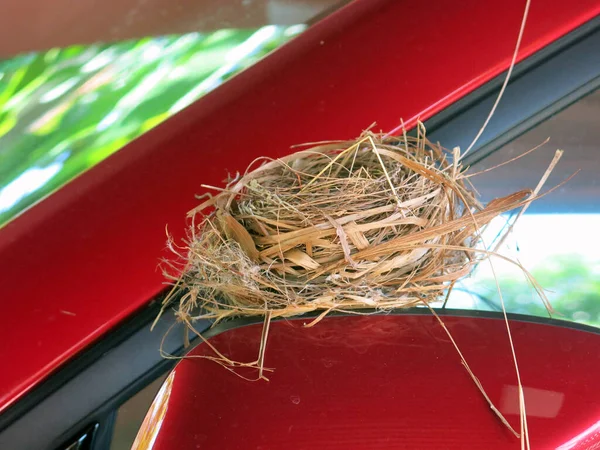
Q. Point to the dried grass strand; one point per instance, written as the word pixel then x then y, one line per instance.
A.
pixel 504 84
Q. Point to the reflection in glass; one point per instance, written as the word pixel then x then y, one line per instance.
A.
pixel 557 239
pixel 131 414
pixel 64 110
pixel 155 416
pixel 564 263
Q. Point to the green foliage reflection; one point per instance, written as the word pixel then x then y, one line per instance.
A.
pixel 571 282
pixel 65 110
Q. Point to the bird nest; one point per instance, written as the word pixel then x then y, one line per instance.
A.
pixel 378 223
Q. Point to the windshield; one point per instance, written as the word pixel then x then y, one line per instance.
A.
pixel 557 238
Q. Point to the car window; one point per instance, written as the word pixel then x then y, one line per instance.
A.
pixel 556 239
pixel 130 416
pixel 66 109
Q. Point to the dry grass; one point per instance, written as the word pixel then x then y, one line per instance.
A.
pixel 379 223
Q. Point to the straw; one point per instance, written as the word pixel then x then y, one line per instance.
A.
pixel 380 223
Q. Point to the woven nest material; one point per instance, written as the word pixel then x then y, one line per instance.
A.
pixel 378 223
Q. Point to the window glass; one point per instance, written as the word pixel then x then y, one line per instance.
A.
pixel 65 109
pixel 131 415
pixel 557 239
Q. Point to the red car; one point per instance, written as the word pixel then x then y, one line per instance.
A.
pixel 92 249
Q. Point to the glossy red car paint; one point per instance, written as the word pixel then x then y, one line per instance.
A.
pixel 383 382
pixel 80 262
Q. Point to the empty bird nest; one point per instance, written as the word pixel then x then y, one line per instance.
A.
pixel 378 223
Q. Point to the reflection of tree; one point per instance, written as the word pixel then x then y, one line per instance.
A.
pixel 572 284
pixel 71 108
